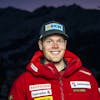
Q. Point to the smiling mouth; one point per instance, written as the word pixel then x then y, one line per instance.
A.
pixel 55 52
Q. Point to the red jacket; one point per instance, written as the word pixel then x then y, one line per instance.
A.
pixel 44 82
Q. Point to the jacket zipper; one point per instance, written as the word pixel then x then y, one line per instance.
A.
pixel 61 88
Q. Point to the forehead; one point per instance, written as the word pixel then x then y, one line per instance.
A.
pixel 54 36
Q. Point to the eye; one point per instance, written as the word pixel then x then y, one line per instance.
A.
pixel 48 41
pixel 60 41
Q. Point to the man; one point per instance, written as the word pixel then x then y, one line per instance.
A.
pixel 54 73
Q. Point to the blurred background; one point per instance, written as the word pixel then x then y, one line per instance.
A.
pixel 20 22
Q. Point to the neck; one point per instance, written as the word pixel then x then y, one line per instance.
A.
pixel 60 66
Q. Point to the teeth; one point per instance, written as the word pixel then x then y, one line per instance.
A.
pixel 55 52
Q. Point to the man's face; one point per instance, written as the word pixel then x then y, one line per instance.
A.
pixel 53 48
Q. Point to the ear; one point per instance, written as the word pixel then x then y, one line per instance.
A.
pixel 40 44
pixel 65 44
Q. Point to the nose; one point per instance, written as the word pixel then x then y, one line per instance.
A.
pixel 55 45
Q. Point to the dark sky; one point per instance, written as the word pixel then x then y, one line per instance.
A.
pixel 30 5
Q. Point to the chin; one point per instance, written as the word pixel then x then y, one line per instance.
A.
pixel 55 61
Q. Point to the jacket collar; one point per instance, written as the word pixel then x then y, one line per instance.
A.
pixel 49 70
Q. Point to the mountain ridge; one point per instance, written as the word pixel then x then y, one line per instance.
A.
pixel 19 34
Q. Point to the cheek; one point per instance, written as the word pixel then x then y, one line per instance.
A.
pixel 45 50
pixel 46 54
pixel 62 53
pixel 62 48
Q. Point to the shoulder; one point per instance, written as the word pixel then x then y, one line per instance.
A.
pixel 85 71
pixel 22 78
pixel 88 74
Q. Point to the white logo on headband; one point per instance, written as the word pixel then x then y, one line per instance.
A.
pixel 53 26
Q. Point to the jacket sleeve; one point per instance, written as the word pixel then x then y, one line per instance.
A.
pixel 95 89
pixel 17 91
